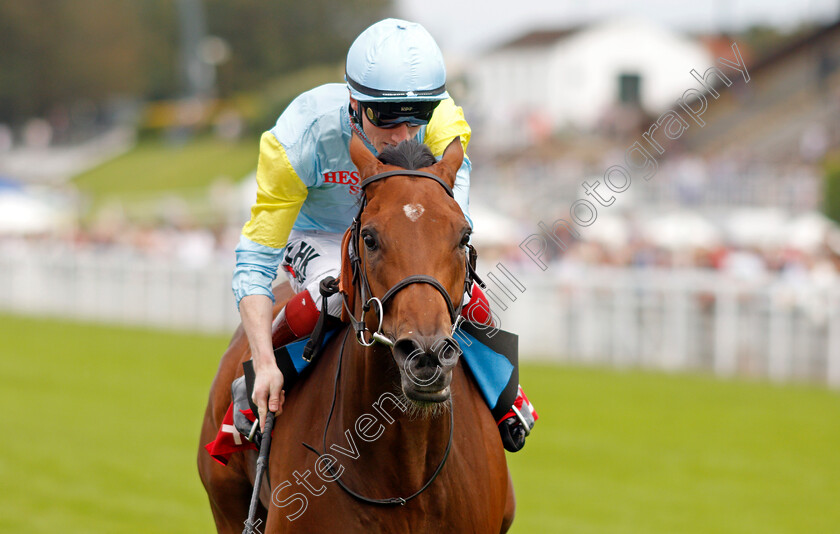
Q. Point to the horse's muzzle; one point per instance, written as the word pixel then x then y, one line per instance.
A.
pixel 426 366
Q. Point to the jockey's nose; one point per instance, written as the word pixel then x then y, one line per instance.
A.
pixel 400 133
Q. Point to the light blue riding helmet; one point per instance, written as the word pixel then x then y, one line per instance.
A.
pixel 395 61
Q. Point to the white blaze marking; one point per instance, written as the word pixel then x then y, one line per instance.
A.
pixel 413 211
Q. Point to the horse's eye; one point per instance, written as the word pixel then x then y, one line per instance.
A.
pixel 465 240
pixel 370 241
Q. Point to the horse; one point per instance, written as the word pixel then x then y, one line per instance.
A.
pixel 379 437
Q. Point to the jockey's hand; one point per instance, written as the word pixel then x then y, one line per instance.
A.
pixel 256 319
pixel 268 393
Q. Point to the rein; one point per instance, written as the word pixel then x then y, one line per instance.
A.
pixel 360 280
pixel 391 500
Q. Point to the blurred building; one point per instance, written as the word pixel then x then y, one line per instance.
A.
pixel 789 111
pixel 761 144
pixel 764 141
pixel 577 78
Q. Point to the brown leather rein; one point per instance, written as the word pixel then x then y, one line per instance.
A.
pixel 360 282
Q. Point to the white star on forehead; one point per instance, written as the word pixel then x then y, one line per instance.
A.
pixel 413 211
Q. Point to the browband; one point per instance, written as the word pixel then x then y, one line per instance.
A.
pixel 403 172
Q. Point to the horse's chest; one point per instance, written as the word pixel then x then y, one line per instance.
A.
pixel 453 503
pixel 420 516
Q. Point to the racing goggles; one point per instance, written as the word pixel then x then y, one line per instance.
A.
pixel 392 114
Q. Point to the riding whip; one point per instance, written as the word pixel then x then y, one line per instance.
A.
pixel 262 461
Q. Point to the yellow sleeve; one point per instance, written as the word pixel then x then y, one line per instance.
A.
pixel 447 123
pixel 280 194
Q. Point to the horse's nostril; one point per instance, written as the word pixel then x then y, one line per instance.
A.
pixel 442 351
pixel 406 347
pixel 446 350
pixel 415 356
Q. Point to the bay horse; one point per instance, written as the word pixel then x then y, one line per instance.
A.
pixel 398 422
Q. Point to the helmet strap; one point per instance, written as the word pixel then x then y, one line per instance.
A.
pixel 355 118
pixel 355 115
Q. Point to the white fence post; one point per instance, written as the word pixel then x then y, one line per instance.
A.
pixel 726 330
pixel 625 332
pixel 780 347
pixel 676 316
pixel 833 361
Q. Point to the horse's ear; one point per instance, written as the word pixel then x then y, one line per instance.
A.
pixel 365 162
pixel 345 278
pixel 451 161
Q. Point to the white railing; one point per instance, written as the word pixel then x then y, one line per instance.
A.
pixel 120 288
pixel 680 320
pixel 671 320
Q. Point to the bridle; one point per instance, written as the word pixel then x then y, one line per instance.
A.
pixel 360 279
pixel 360 282
pixel 331 468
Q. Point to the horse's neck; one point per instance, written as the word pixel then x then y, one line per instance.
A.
pixel 415 443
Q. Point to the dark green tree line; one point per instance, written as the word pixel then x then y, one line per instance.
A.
pixel 59 52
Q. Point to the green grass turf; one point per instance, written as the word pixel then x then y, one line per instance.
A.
pixel 155 166
pixel 102 428
pixel 102 425
pixel 634 452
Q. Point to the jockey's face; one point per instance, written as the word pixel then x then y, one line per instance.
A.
pixel 382 137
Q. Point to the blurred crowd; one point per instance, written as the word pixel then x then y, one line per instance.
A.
pixel 749 244
pixel 743 261
pixel 189 246
pixel 746 263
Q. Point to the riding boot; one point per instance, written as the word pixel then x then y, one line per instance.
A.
pixel 295 320
pixel 516 425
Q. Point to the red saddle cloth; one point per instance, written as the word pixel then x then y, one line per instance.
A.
pixel 229 440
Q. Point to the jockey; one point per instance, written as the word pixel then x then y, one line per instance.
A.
pixel 308 188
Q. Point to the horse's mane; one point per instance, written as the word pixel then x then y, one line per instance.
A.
pixel 408 154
